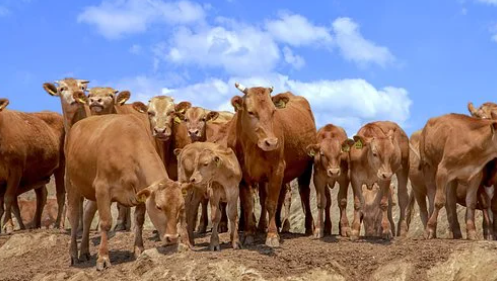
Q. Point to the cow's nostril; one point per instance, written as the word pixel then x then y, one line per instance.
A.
pixel 99 100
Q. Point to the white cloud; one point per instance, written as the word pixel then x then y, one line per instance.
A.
pixel 116 18
pixel 4 11
pixel 296 30
pixel 295 60
pixel 349 103
pixel 236 48
pixel 354 47
pixel 489 2
pixel 135 49
pixel 494 38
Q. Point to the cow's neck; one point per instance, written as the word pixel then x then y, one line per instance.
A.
pixel 71 117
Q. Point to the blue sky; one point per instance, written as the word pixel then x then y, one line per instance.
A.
pixel 356 61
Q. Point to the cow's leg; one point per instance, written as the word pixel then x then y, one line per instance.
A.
pixel 61 195
pixel 73 202
pixel 121 218
pixel 494 213
pixel 403 198
pixel 305 197
pixel 262 226
pixel 204 218
pixel 2 210
pixel 140 211
pixel 471 198
pixel 356 223
pixel 423 210
pixel 81 214
pixel 10 195
pixel 104 205
pixel 320 186
pixel 440 200
pixel 390 215
pixel 451 208
pixel 385 223
pixel 344 228
pixel 215 219
pixel 485 205
pixel 247 204
pixel 274 186
pixel 192 202
pixel 17 213
pixel 327 210
pixel 41 200
pixel 223 224
pixel 90 209
pixel 281 200
pixel 232 210
pixel 287 204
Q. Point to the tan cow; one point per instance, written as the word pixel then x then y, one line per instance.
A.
pixel 31 153
pixel 449 158
pixel 484 111
pixel 109 159
pixel 270 136
pixel 372 215
pixel 331 165
pixel 212 170
pixel 381 150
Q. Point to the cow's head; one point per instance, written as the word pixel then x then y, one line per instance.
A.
pixel 201 164
pixel 161 111
pixel 484 111
pixel 195 119
pixel 68 89
pixel 102 100
pixel 328 155
pixel 3 104
pixel 256 110
pixel 166 207
pixel 372 213
pixel 381 153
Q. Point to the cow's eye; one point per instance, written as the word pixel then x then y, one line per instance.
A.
pixel 186 120
pixel 151 113
pixel 375 154
pixel 62 89
pixel 82 88
pixel 158 207
pixel 203 119
pixel 251 113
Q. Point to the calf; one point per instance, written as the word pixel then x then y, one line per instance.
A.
pixel 331 165
pixel 381 150
pixel 448 158
pixel 212 170
pixel 31 152
pixel 270 136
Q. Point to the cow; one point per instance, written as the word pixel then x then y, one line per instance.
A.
pixel 380 150
pixel 110 158
pixel 31 152
pixel 331 165
pixel 449 158
pixel 213 172
pixel 484 111
pixel 270 135
pixel 372 215
pixel 204 125
pixel 49 216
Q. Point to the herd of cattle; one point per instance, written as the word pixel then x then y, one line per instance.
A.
pixel 166 159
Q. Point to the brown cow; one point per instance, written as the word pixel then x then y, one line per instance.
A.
pixel 270 136
pixel 372 216
pixel 449 158
pixel 484 111
pixel 381 150
pixel 109 159
pixel 212 170
pixel 331 165
pixel 31 152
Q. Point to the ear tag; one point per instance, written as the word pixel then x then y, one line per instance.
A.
pixel 142 199
pixel 312 153
pixel 184 192
pixel 358 144
pixel 80 100
pixel 346 148
pixel 177 120
pixel 280 104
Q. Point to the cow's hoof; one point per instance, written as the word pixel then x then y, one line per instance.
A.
pixel 103 263
pixel 309 231
pixel 8 229
pixel 215 247
pixel 273 241
pixel 318 234
pixel 472 235
pixel 120 227
pixel 489 237
pixel 223 227
pixel 248 240
pixel 202 228
pixel 84 257
pixel 74 261
pixel 345 232
pixel 286 227
pixel 137 251
pixel 387 235
pixel 429 234
pixel 237 245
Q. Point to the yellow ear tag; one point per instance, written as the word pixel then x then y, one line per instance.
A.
pixel 184 192
pixel 142 199
pixel 80 100
pixel 346 148
pixel 358 144
pixel 280 104
pixel 312 153
pixel 177 120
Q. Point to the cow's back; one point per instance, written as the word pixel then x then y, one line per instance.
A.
pixel 299 129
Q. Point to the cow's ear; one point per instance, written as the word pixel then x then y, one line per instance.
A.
pixel 182 107
pixel 217 160
pixel 211 116
pixel 3 104
pixel 177 151
pixel 144 194
pixel 80 97
pixel 237 102
pixel 347 144
pixel 185 188
pixel 280 100
pixel 123 97
pixel 312 149
pixel 359 142
pixel 140 107
pixel 51 89
pixel 472 110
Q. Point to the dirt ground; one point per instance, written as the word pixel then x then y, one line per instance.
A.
pixel 43 255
